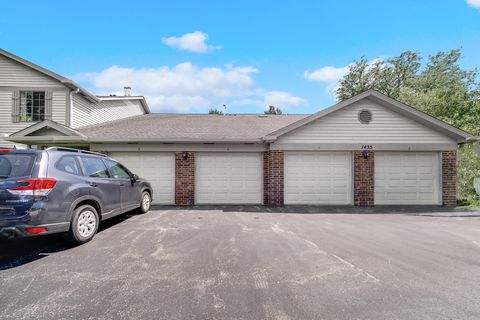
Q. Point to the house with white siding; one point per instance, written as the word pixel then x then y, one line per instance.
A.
pixel 30 94
pixel 365 151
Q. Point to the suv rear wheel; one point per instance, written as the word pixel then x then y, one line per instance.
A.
pixel 84 225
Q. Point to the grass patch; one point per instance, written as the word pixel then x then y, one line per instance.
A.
pixel 471 204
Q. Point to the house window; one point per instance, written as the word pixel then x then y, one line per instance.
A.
pixel 32 106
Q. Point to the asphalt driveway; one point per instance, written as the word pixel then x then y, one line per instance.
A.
pixel 215 264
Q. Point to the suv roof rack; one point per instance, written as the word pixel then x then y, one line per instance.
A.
pixel 75 150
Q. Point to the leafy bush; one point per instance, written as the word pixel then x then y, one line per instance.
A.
pixel 440 88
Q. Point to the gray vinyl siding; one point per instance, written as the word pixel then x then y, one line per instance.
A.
pixel 16 77
pixel 8 127
pixel 5 143
pixel 86 113
pixel 14 74
pixel 80 111
pixel 59 106
pixel 343 126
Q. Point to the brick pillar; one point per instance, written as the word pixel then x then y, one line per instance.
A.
pixel 363 179
pixel 449 178
pixel 184 178
pixel 266 176
pixel 273 178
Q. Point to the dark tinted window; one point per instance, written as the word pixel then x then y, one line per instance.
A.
pixel 32 106
pixel 69 164
pixel 94 167
pixel 16 165
pixel 117 170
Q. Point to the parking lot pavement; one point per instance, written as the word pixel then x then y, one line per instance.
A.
pixel 226 264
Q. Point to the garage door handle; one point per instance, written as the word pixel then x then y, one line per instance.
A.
pixel 93 184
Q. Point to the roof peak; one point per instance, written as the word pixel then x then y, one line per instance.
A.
pixel 386 101
pixel 65 81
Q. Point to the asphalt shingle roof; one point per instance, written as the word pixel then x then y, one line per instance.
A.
pixel 189 128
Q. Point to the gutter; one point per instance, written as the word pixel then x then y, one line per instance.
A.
pixel 471 139
pixel 269 139
pixel 173 141
pixel 75 87
pixel 48 140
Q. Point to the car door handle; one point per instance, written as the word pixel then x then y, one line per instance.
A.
pixel 122 184
pixel 93 184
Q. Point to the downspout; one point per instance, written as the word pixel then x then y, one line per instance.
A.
pixel 70 120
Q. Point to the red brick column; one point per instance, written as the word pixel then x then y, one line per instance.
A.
pixel 363 179
pixel 449 178
pixel 273 178
pixel 184 178
pixel 266 176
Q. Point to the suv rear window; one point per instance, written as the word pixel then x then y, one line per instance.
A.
pixel 15 165
pixel 69 164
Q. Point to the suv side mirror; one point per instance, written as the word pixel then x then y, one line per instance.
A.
pixel 135 177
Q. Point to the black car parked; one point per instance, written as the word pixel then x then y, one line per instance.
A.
pixel 65 190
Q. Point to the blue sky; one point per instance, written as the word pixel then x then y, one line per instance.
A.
pixel 188 56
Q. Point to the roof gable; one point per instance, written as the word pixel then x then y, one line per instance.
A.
pixel 67 82
pixel 47 130
pixel 404 110
pixel 344 126
pixel 13 73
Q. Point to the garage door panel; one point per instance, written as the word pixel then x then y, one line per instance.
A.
pixel 410 196
pixel 410 183
pixel 251 171
pixel 425 184
pixel 224 178
pixel 158 168
pixel 251 184
pixel 407 178
pixel 318 178
pixel 426 196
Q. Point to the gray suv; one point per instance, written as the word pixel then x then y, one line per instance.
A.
pixel 65 190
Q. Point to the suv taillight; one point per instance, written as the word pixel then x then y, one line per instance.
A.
pixel 34 186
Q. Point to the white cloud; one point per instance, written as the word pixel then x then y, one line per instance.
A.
pixel 474 3
pixel 195 42
pixel 331 76
pixel 328 75
pixel 184 78
pixel 177 103
pixel 248 102
pixel 282 99
pixel 187 87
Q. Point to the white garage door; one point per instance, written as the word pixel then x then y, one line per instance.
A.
pixel 233 178
pixel 158 168
pixel 407 178
pixel 318 178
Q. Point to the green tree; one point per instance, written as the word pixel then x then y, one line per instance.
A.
pixel 442 89
pixel 215 111
pixel 387 76
pixel 273 110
